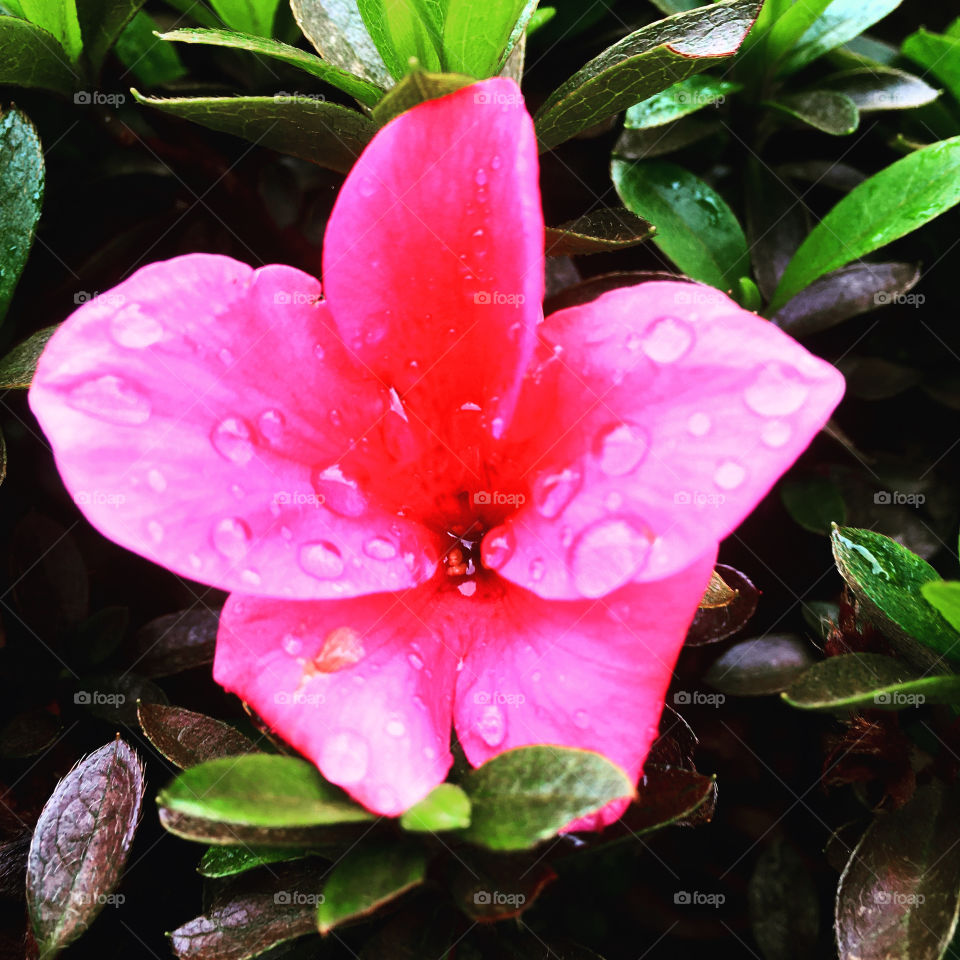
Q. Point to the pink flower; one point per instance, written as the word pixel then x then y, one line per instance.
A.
pixel 432 506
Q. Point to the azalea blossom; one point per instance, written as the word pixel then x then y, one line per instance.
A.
pixel 433 507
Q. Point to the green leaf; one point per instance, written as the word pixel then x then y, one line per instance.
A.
pixel 761 666
pixel 31 57
pixel 887 579
pixel 248 16
pixel 937 53
pixel 679 100
pixel 841 21
pixel 897 200
pixel 229 861
pixel 642 64
pixel 446 807
pixel 101 23
pixel 59 18
pixel 814 502
pixel 614 228
pixel 21 198
pixel 872 88
pixel 260 790
pixel 152 61
pixel 323 133
pixel 80 844
pixel 695 227
pixel 18 366
pixel 897 898
pixel 337 32
pixel 786 30
pixel 528 794
pixel 825 110
pixel 400 34
pixel 364 91
pixel 187 738
pixel 368 877
pixel 476 36
pixel 944 595
pixel 869 680
pixel 540 18
pixel 416 88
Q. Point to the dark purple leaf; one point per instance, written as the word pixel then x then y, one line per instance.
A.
pixel 176 642
pixel 873 378
pixel 715 623
pixel 28 734
pixel 490 888
pixel 80 844
pixel 760 667
pixel 615 228
pixel 187 738
pixel 113 697
pixel 845 293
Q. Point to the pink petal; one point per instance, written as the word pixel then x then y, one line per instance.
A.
pixel 433 266
pixel 588 673
pixel 658 418
pixel 363 687
pixel 199 413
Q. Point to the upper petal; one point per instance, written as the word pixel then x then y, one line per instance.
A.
pixel 590 673
pixel 433 267
pixel 661 416
pixel 199 413
pixel 363 687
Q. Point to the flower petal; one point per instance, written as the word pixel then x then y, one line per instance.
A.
pixel 587 673
pixel 363 687
pixel 181 434
pixel 662 415
pixel 433 266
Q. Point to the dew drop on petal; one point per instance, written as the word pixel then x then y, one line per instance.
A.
pixel 776 390
pixel 345 757
pixel 620 449
pixel 157 481
pixel 232 438
pixel 321 559
pixel 291 645
pixel 497 547
pixel 155 529
pixel 467 588
pixel 729 475
pixel 699 424
pixel 430 753
pixel 415 661
pixel 340 494
pixel 481 177
pixel 668 339
pixel 552 492
pixel 366 187
pixel 251 578
pixel 380 548
pixel 492 725
pixel 231 537
pixel 271 424
pixel 318 351
pixel 608 554
pixel 776 433
pixel 395 727
pixel 581 720
pixel 112 399
pixel 133 328
pixel 537 569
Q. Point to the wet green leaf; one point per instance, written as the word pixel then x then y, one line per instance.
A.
pixel 938 53
pixel 229 861
pixel 944 596
pixel 825 110
pixel 679 100
pixel 31 57
pixel 59 18
pixel 248 16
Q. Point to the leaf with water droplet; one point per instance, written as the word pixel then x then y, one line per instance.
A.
pixel 887 579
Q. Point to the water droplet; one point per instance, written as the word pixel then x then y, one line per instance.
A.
pixel 492 725
pixel 318 351
pixel 699 424
pixel 386 801
pixel 232 438
pixel 157 481
pixel 379 549
pixel 321 559
pixel 430 753
pixel 395 727
pixel 552 492
pixel 366 187
pixel 251 578
pixel 415 661
pixel 776 433
pixel 621 448
pixel 155 529
pixel 776 391
pixel 537 570
pixel 729 475
pixel 495 161
pixel 291 645
pixel 607 554
pixel 231 537
pixel 112 399
pixel 497 547
pixel 497 425
pixel 336 418
pixel 345 757
pixel 581 720
pixel 226 357
pixel 133 328
pixel 340 494
pixel 468 588
pixel 481 177
pixel 668 339
pixel 195 561
pixel 271 424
